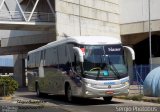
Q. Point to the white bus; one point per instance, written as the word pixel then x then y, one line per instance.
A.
pixel 84 66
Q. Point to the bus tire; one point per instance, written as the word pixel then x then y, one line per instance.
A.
pixel 107 99
pixel 68 93
pixel 38 92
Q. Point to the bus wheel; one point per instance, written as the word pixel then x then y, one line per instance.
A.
pixel 107 99
pixel 68 94
pixel 39 94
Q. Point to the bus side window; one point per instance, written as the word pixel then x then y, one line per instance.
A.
pixel 67 67
pixel 28 58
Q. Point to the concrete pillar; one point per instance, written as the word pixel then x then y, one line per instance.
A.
pixel 19 69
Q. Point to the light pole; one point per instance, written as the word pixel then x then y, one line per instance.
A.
pixel 150 33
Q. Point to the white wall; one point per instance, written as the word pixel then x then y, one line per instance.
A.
pixel 92 17
pixel 137 10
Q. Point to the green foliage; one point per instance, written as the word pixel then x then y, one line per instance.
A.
pixel 137 97
pixel 7 85
pixel 158 100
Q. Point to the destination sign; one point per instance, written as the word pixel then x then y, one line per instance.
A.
pixel 113 49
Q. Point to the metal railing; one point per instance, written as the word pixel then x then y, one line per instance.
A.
pixel 18 17
pixel 140 72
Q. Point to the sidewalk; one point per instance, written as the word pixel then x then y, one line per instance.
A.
pixel 151 99
pixel 136 93
pixel 140 97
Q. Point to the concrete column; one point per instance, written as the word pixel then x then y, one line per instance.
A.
pixel 19 69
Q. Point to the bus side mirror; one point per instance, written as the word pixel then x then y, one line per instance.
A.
pixel 129 50
pixel 129 57
pixel 79 53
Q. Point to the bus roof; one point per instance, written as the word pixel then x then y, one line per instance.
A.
pixel 85 40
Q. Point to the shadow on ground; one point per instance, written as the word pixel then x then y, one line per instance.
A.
pixel 60 99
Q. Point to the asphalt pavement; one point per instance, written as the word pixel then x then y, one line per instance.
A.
pixel 24 101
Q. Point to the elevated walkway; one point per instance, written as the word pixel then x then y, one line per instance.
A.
pixel 139 27
pixel 23 44
pixel 18 18
pixel 31 26
pixel 133 33
pixel 31 15
pixel 27 40
pixel 26 15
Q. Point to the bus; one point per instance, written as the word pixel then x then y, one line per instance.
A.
pixel 82 66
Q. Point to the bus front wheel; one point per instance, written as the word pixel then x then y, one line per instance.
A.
pixel 68 93
pixel 107 99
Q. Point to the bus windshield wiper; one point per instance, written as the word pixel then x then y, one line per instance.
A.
pixel 114 69
pixel 98 74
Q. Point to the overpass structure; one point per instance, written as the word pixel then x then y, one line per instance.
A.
pixel 135 32
pixel 135 28
pixel 53 19
pixel 25 15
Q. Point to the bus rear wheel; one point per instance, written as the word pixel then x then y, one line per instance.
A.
pixel 107 99
pixel 68 93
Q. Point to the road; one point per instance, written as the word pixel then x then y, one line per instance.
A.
pixel 58 103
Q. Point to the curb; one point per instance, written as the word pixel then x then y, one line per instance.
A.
pixel 144 98
pixel 153 100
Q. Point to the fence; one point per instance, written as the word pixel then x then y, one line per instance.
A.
pixel 139 74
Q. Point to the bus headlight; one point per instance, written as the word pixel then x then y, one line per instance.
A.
pixel 89 84
pixel 126 83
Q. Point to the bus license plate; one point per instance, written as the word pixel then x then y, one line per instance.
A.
pixel 109 92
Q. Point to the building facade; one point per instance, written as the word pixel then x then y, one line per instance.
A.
pixel 134 20
pixel 28 24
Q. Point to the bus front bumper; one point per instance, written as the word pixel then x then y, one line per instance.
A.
pixel 94 92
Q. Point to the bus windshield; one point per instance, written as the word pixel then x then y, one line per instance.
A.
pixel 102 61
